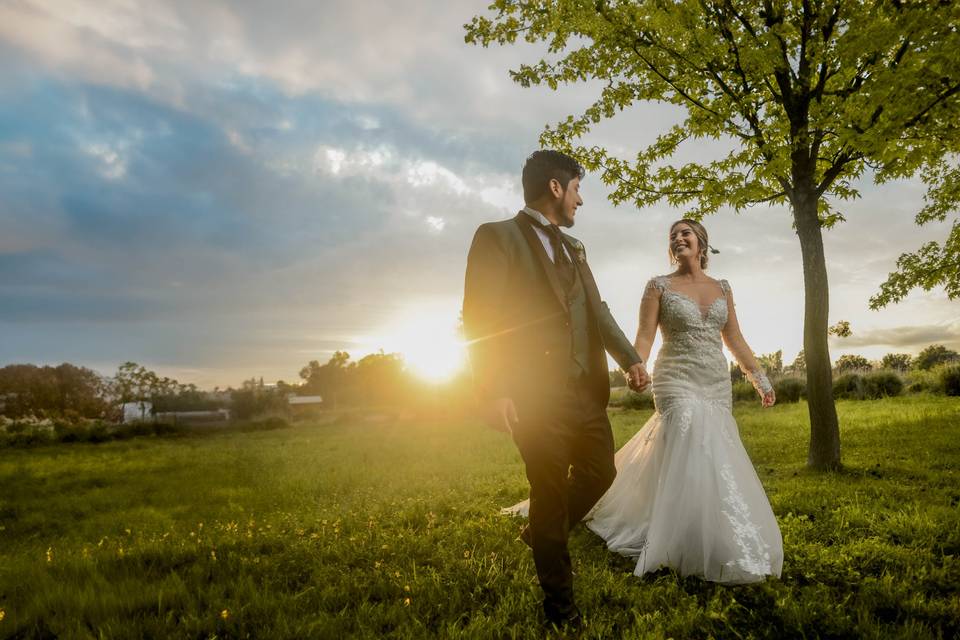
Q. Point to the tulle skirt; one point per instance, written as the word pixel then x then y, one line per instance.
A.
pixel 686 496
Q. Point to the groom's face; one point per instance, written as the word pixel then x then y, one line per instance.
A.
pixel 569 201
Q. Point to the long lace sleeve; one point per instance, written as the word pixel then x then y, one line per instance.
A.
pixel 738 346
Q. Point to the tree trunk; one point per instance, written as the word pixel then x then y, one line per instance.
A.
pixel 824 428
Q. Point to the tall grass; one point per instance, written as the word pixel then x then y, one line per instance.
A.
pixel 341 530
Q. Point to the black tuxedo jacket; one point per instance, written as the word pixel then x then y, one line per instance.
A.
pixel 516 321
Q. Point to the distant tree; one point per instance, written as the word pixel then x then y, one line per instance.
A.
pixel 256 399
pixel 810 94
pixel 848 362
pixel 381 379
pixel 772 363
pixel 799 364
pixel 185 397
pixel 896 361
pixel 80 391
pixel 933 355
pixel 134 383
pixel 328 380
pixel 64 391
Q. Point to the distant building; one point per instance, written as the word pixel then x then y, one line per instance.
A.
pixel 143 412
pixel 300 405
pixel 193 417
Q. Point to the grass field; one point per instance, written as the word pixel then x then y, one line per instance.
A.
pixel 374 530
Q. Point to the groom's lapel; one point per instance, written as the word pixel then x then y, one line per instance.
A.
pixel 530 235
pixel 586 276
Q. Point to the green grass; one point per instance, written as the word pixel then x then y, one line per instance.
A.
pixel 327 530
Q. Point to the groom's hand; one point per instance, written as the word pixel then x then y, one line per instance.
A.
pixel 637 377
pixel 502 415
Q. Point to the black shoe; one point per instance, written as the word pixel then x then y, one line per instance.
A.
pixel 569 623
pixel 526 537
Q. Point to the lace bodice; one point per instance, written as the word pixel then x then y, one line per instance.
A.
pixel 684 320
pixel 691 360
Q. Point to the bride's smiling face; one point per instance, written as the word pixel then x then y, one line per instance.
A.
pixel 683 241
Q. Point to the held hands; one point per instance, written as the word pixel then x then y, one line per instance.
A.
pixel 502 415
pixel 637 377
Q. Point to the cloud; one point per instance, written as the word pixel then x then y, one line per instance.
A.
pixel 226 186
pixel 903 337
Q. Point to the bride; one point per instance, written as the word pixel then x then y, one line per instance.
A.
pixel 686 495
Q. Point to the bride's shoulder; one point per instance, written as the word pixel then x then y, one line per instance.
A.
pixel 658 282
pixel 723 284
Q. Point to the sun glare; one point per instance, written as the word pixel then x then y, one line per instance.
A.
pixel 429 346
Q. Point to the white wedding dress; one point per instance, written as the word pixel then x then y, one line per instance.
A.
pixel 686 495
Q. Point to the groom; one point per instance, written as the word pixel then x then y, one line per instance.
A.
pixel 537 331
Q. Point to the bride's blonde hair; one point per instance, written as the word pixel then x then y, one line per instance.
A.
pixel 703 243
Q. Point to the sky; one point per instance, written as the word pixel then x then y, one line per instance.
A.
pixel 224 190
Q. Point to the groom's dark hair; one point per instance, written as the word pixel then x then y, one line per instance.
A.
pixel 545 165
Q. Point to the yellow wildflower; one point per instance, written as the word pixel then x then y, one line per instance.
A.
pixel 406 587
pixel 213 555
pixel 225 614
pixel 49 554
pixel 3 614
pixel 406 602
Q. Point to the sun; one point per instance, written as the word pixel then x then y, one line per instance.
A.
pixel 429 345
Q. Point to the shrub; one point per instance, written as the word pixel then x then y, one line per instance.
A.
pixel 882 384
pixel 950 379
pixel 849 386
pixel 269 423
pixel 744 392
pixel 924 381
pixel 790 389
pixel 637 401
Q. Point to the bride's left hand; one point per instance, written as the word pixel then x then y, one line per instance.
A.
pixel 768 399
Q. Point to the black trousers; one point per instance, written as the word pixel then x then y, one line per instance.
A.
pixel 568 452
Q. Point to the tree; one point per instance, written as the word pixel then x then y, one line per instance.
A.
pixel 931 265
pixel 933 355
pixel 847 363
pixel 327 380
pixel 136 383
pixel 64 391
pixel 380 379
pixel 896 361
pixel 799 364
pixel 810 94
pixel 772 363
